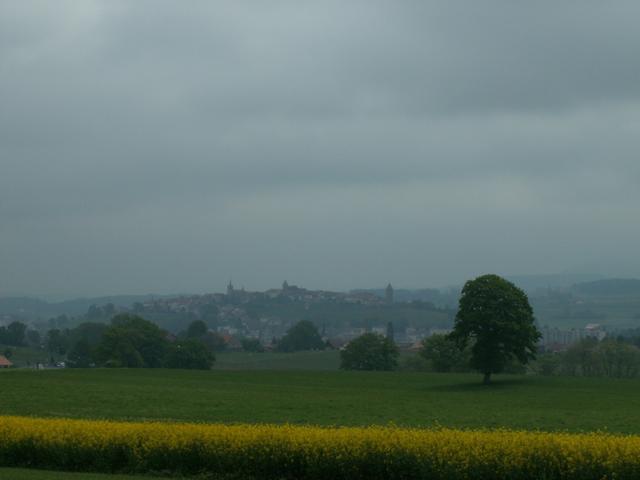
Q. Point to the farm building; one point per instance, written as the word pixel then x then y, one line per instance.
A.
pixel 5 362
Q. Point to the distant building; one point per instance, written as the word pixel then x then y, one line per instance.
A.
pixel 388 294
pixel 595 330
pixel 5 362
pixel 230 289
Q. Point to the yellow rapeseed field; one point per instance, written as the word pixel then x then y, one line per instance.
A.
pixel 307 452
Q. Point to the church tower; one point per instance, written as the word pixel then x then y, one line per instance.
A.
pixel 230 289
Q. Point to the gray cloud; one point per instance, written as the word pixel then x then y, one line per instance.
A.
pixel 153 146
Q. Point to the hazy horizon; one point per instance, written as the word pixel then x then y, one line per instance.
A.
pixel 168 147
pixel 533 282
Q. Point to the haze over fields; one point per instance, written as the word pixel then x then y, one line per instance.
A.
pixel 150 147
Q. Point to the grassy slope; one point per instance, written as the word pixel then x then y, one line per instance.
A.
pixel 326 398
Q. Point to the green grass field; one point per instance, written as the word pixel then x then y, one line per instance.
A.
pixel 22 474
pixel 23 356
pixel 325 398
pixel 312 360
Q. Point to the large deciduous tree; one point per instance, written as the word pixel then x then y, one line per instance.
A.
pixel 495 317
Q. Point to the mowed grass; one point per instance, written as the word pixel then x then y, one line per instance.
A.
pixel 311 360
pixel 325 398
pixel 22 474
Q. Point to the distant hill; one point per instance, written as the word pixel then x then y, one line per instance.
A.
pixel 611 286
pixel 448 296
pixel 22 306
pixel 531 283
pixel 33 307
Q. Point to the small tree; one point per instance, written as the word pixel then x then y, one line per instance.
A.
pixel 252 345
pixel 444 355
pixel 13 334
pixel 57 342
pixel 197 329
pixel 370 351
pixel 619 359
pixel 302 336
pixel 91 332
pixel 132 341
pixel 190 354
pixel 581 358
pixel 33 338
pixel 81 355
pixel 495 317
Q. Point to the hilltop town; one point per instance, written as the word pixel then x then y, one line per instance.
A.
pixel 269 314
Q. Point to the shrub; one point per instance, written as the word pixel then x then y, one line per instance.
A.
pixel 445 355
pixel 190 354
pixel 370 351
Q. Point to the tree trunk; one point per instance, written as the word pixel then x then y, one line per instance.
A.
pixel 487 378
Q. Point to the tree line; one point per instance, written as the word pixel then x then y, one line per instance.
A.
pixel 130 341
pixel 16 334
pixel 494 331
pixel 133 342
pixel 610 357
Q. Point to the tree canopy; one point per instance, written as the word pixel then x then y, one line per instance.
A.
pixel 302 336
pixel 495 318
pixel 13 334
pixel 191 354
pixel 370 351
pixel 444 355
pixel 132 341
pixel 197 329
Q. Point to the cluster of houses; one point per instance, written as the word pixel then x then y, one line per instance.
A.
pixel 557 340
pixel 290 293
pixel 234 322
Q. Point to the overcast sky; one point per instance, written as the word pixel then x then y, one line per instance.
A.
pixel 167 146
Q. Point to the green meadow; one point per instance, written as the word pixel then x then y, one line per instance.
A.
pixel 309 360
pixel 23 474
pixel 325 398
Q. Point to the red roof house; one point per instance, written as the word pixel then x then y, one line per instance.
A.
pixel 5 362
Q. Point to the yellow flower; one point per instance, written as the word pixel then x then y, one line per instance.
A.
pixel 314 452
